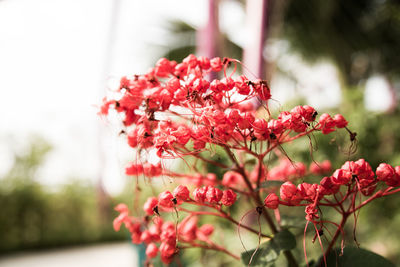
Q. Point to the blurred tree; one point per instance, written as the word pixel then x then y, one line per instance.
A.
pixel 362 37
pixel 33 216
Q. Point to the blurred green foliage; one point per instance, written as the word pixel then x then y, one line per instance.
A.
pixel 33 216
pixel 361 36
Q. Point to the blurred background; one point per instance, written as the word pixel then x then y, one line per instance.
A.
pixel 61 170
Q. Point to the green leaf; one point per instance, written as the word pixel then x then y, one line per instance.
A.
pixel 269 251
pixel 284 240
pixel 266 253
pixel 355 257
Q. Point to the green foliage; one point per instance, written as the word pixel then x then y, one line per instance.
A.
pixel 32 216
pixel 356 257
pixel 269 251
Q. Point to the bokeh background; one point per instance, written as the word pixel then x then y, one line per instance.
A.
pixel 61 168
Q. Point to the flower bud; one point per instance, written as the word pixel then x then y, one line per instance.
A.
pixel 388 174
pixel 199 194
pixel 288 191
pixel 228 197
pixel 151 250
pixel 329 188
pixel 340 121
pixel 146 237
pixel 271 201
pixel 385 172
pixel 204 62
pixel 187 229
pixel 341 177
pixel 327 124
pixel 167 252
pixel 213 195
pixel 149 205
pixel 206 229
pixel 165 199
pixel 216 64
pixel 181 193
pixel 133 169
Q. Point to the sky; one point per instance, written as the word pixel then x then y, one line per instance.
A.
pixel 59 57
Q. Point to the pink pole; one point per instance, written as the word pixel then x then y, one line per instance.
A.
pixel 256 13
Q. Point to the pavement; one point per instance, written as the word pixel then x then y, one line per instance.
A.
pixel 101 255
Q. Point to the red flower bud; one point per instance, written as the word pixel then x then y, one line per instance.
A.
pixel 271 201
pixel 206 229
pixel 288 191
pixel 329 188
pixel 307 191
pixel 216 64
pixel 213 194
pixel 168 233
pixel 340 121
pixel 341 176
pixel 151 250
pixel 228 197
pixel 327 124
pixel 165 199
pixel 204 62
pixel 388 174
pixel 191 60
pixel 133 169
pixel 167 252
pixel 181 193
pixel 385 172
pixel 187 229
pixel 149 205
pixel 199 194
pixel 146 237
pixel 309 113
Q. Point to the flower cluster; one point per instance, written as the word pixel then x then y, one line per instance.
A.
pixel 165 233
pixel 162 233
pixel 175 111
pixel 358 176
pixel 216 112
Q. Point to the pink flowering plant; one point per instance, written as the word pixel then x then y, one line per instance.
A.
pixel 177 112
